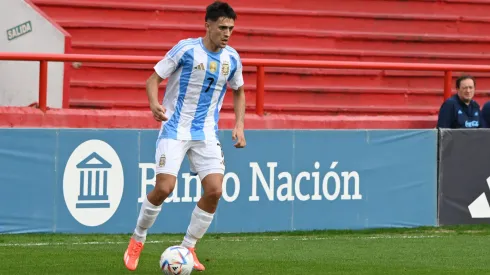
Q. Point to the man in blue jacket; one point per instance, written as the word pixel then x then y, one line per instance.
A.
pixel 460 110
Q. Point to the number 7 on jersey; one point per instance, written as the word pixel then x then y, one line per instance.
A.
pixel 211 81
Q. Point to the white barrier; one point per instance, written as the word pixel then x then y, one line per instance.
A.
pixel 24 28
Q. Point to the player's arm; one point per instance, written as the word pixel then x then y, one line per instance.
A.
pixel 163 69
pixel 239 106
pixel 152 84
pixel 236 83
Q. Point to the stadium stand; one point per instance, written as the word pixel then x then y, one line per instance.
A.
pixel 452 31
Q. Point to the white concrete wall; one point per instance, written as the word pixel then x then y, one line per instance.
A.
pixel 19 80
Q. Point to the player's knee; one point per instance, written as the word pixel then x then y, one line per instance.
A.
pixel 164 190
pixel 214 193
pixel 164 185
pixel 212 182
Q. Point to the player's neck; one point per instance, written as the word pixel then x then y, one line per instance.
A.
pixel 210 46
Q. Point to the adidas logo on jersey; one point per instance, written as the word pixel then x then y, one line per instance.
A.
pixel 199 67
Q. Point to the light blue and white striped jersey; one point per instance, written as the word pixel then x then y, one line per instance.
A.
pixel 197 82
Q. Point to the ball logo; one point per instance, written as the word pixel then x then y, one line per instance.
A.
pixel 93 183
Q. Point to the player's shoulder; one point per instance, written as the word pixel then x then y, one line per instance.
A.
pixel 231 51
pixel 184 45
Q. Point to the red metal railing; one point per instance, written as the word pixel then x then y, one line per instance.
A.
pixel 259 63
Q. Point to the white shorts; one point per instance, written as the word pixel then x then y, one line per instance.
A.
pixel 205 157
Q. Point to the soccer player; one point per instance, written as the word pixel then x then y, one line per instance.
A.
pixel 198 71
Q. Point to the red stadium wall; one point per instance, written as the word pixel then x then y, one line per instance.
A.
pixel 375 30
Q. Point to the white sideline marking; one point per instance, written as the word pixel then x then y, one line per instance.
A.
pixel 227 239
pixel 79 243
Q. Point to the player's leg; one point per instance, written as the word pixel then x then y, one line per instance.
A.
pixel 152 204
pixel 207 159
pixel 169 155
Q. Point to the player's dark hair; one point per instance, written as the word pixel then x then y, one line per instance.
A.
pixel 464 77
pixel 219 9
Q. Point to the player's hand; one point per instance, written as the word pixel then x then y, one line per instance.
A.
pixel 158 112
pixel 239 136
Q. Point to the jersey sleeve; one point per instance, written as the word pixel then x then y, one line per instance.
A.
pixel 237 80
pixel 165 67
pixel 446 115
pixel 169 64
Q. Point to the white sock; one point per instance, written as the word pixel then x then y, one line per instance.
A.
pixel 200 221
pixel 148 215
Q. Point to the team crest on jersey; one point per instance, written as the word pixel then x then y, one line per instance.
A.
pixel 225 68
pixel 213 66
pixel 161 163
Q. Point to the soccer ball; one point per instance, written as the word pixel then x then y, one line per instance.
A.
pixel 176 260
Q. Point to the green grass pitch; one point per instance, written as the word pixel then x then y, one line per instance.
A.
pixel 443 250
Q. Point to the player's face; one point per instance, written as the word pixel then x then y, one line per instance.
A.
pixel 466 90
pixel 220 31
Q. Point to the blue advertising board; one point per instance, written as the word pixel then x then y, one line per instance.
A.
pixel 93 181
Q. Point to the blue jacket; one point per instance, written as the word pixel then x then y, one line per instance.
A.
pixel 485 113
pixel 454 114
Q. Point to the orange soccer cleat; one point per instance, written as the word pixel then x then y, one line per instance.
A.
pixel 197 265
pixel 132 254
